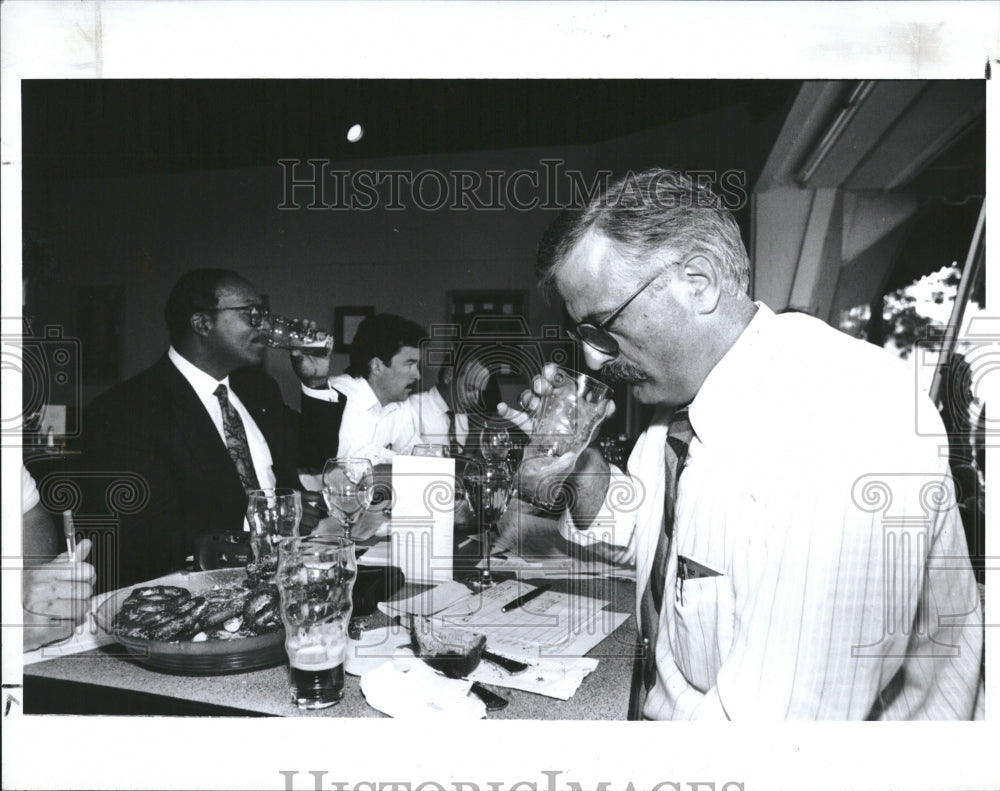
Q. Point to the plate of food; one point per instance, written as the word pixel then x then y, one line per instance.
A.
pixel 199 622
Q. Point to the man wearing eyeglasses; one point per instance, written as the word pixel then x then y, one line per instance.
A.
pixel 201 427
pixel 797 547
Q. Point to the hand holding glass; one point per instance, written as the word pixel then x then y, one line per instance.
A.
pixel 273 514
pixel 563 425
pixel 348 488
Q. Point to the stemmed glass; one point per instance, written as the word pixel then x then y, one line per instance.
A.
pixel 348 488
pixel 494 444
pixel 272 514
pixel 488 487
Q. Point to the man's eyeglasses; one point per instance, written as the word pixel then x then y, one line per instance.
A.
pixel 255 315
pixel 596 336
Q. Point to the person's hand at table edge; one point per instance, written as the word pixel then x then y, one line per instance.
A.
pixel 56 596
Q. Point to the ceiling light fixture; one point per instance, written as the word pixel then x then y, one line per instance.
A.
pixel 835 130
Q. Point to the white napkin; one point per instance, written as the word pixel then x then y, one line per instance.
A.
pixel 409 689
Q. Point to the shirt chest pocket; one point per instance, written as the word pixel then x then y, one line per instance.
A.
pixel 703 626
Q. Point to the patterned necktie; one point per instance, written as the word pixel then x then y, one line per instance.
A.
pixel 679 436
pixel 453 445
pixel 236 440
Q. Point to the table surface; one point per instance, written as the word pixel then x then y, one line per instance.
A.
pixel 602 695
pixel 78 683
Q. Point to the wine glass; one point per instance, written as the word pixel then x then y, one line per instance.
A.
pixel 495 443
pixel 348 488
pixel 272 514
pixel 488 487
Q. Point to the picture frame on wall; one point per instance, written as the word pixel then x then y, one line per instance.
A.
pixel 345 324
pixel 493 315
pixel 488 306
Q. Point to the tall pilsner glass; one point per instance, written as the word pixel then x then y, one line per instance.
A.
pixel 272 514
pixel 315 578
pixel 566 421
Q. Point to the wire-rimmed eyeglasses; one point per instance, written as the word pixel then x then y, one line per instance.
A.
pixel 255 315
pixel 596 336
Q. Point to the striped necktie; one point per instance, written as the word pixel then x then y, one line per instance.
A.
pixel 453 445
pixel 679 436
pixel 236 440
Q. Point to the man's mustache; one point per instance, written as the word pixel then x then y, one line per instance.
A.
pixel 621 373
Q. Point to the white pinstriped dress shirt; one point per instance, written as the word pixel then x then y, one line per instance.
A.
pixel 368 429
pixel 843 588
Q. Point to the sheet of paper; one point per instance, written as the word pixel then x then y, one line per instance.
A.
pixel 551 632
pixel 555 678
pixel 88 635
pixel 377 554
pixel 552 625
pixel 562 568
pixel 423 518
pixel 429 601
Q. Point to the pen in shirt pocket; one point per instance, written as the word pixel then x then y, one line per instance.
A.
pixel 688 569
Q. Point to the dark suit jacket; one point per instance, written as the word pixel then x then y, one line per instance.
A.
pixel 155 426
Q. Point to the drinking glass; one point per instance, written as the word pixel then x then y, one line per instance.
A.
pixel 488 489
pixel 348 488
pixel 566 420
pixel 288 333
pixel 495 443
pixel 273 514
pixel 315 579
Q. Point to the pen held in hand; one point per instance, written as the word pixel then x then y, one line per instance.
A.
pixel 522 600
pixel 69 530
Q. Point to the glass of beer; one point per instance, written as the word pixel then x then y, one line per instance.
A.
pixel 315 578
pixel 288 333
pixel 566 422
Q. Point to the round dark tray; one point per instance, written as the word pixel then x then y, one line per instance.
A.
pixel 210 657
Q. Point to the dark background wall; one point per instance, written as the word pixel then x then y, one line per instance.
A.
pixel 118 242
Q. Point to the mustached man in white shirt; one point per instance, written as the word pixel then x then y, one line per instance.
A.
pixel 193 433
pixel 813 561
pixel 382 374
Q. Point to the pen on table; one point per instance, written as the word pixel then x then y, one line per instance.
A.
pixel 521 600
pixel 70 532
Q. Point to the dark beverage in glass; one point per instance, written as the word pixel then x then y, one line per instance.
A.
pixel 317 688
pixel 315 577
